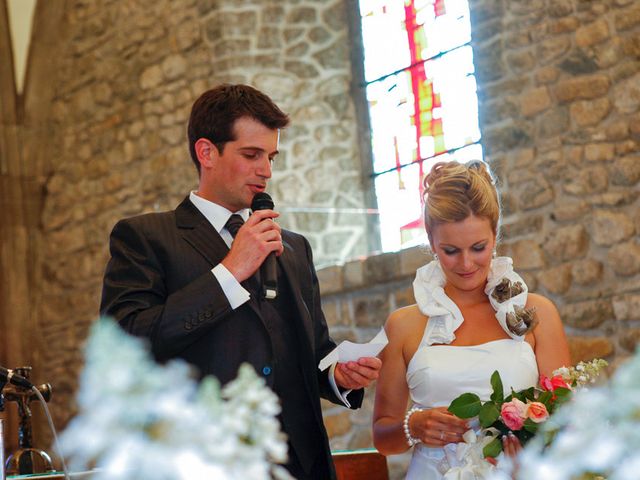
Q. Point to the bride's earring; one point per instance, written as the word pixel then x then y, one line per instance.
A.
pixel 435 257
pixel 494 254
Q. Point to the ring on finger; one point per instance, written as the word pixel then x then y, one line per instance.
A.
pixel 442 435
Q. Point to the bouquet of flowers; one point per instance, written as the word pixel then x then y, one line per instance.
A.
pixel 139 420
pixel 522 412
pixel 597 437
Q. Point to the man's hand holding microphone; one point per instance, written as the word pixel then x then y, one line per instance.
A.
pixel 256 245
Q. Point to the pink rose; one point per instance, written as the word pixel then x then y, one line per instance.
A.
pixel 514 414
pixel 537 412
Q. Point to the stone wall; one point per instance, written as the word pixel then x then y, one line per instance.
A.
pixel 100 135
pixel 559 93
pixel 103 136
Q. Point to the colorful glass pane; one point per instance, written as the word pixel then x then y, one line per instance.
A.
pixel 422 100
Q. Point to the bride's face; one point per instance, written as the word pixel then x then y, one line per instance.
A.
pixel 465 249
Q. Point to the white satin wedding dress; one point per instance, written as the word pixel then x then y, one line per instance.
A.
pixel 439 373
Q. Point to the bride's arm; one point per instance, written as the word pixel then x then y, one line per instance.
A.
pixel 392 392
pixel 436 426
pixel 551 349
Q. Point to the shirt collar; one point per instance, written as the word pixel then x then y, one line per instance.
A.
pixel 217 215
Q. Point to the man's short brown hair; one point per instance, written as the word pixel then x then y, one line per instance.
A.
pixel 215 112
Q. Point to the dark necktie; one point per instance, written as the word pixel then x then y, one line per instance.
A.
pixel 233 224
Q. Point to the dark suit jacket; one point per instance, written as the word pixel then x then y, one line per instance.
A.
pixel 158 284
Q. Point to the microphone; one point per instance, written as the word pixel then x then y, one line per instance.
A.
pixel 7 376
pixel 268 271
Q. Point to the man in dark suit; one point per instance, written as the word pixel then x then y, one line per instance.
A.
pixel 188 279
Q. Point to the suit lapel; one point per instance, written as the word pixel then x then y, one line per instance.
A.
pixel 199 233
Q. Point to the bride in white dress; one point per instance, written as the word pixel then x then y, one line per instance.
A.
pixel 458 333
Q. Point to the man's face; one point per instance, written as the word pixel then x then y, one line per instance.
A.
pixel 243 168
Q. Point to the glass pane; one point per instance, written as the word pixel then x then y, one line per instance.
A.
pixel 397 34
pixel 424 111
pixel 422 99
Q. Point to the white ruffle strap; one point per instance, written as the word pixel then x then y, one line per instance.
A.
pixel 501 268
pixel 445 316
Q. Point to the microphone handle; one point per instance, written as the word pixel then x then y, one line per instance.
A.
pixel 269 277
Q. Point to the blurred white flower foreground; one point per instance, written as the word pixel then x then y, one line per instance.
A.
pixel 598 437
pixel 138 420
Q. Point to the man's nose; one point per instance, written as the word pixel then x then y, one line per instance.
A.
pixel 264 168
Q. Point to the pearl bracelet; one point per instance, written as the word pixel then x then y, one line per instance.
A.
pixel 411 441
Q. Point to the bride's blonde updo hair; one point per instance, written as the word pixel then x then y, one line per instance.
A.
pixel 453 191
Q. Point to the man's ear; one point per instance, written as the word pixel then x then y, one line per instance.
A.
pixel 206 152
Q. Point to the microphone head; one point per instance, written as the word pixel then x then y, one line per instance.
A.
pixel 262 201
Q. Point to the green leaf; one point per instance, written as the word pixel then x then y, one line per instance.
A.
pixel 493 448
pixel 466 405
pixel 530 426
pixel 562 393
pixel 489 413
pixel 545 397
pixel 496 383
pixel 529 394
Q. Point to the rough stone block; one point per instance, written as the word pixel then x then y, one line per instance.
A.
pixel 553 122
pixel 411 259
pixel 631 339
pixel 362 438
pixel 557 279
pixel 330 279
pixel 584 349
pixel 586 272
pixel 382 268
pixel 535 101
pixel 337 424
pixel 587 113
pixel 584 87
pixel 569 211
pixel 522 226
pixel 626 94
pixel 527 255
pixel 535 193
pixel 624 259
pixel 588 181
pixel 613 199
pixel 593 33
pixel 588 314
pixel 626 171
pixel 552 48
pixel 627 18
pixel 627 307
pixel 608 228
pixel 566 243
pixel 371 310
pixel 404 297
pixel 547 75
pixel 353 274
pixel 332 312
pixel 598 152
pixel 564 25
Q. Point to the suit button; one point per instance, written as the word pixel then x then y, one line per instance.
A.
pixel 266 371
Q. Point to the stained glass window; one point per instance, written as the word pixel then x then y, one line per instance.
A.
pixel 421 90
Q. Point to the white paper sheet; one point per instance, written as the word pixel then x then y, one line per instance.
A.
pixel 348 351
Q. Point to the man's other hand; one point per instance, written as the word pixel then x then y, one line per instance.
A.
pixel 360 374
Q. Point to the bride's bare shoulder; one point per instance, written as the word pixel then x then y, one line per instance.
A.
pixel 405 320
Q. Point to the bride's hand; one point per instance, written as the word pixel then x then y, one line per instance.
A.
pixel 511 445
pixel 437 426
